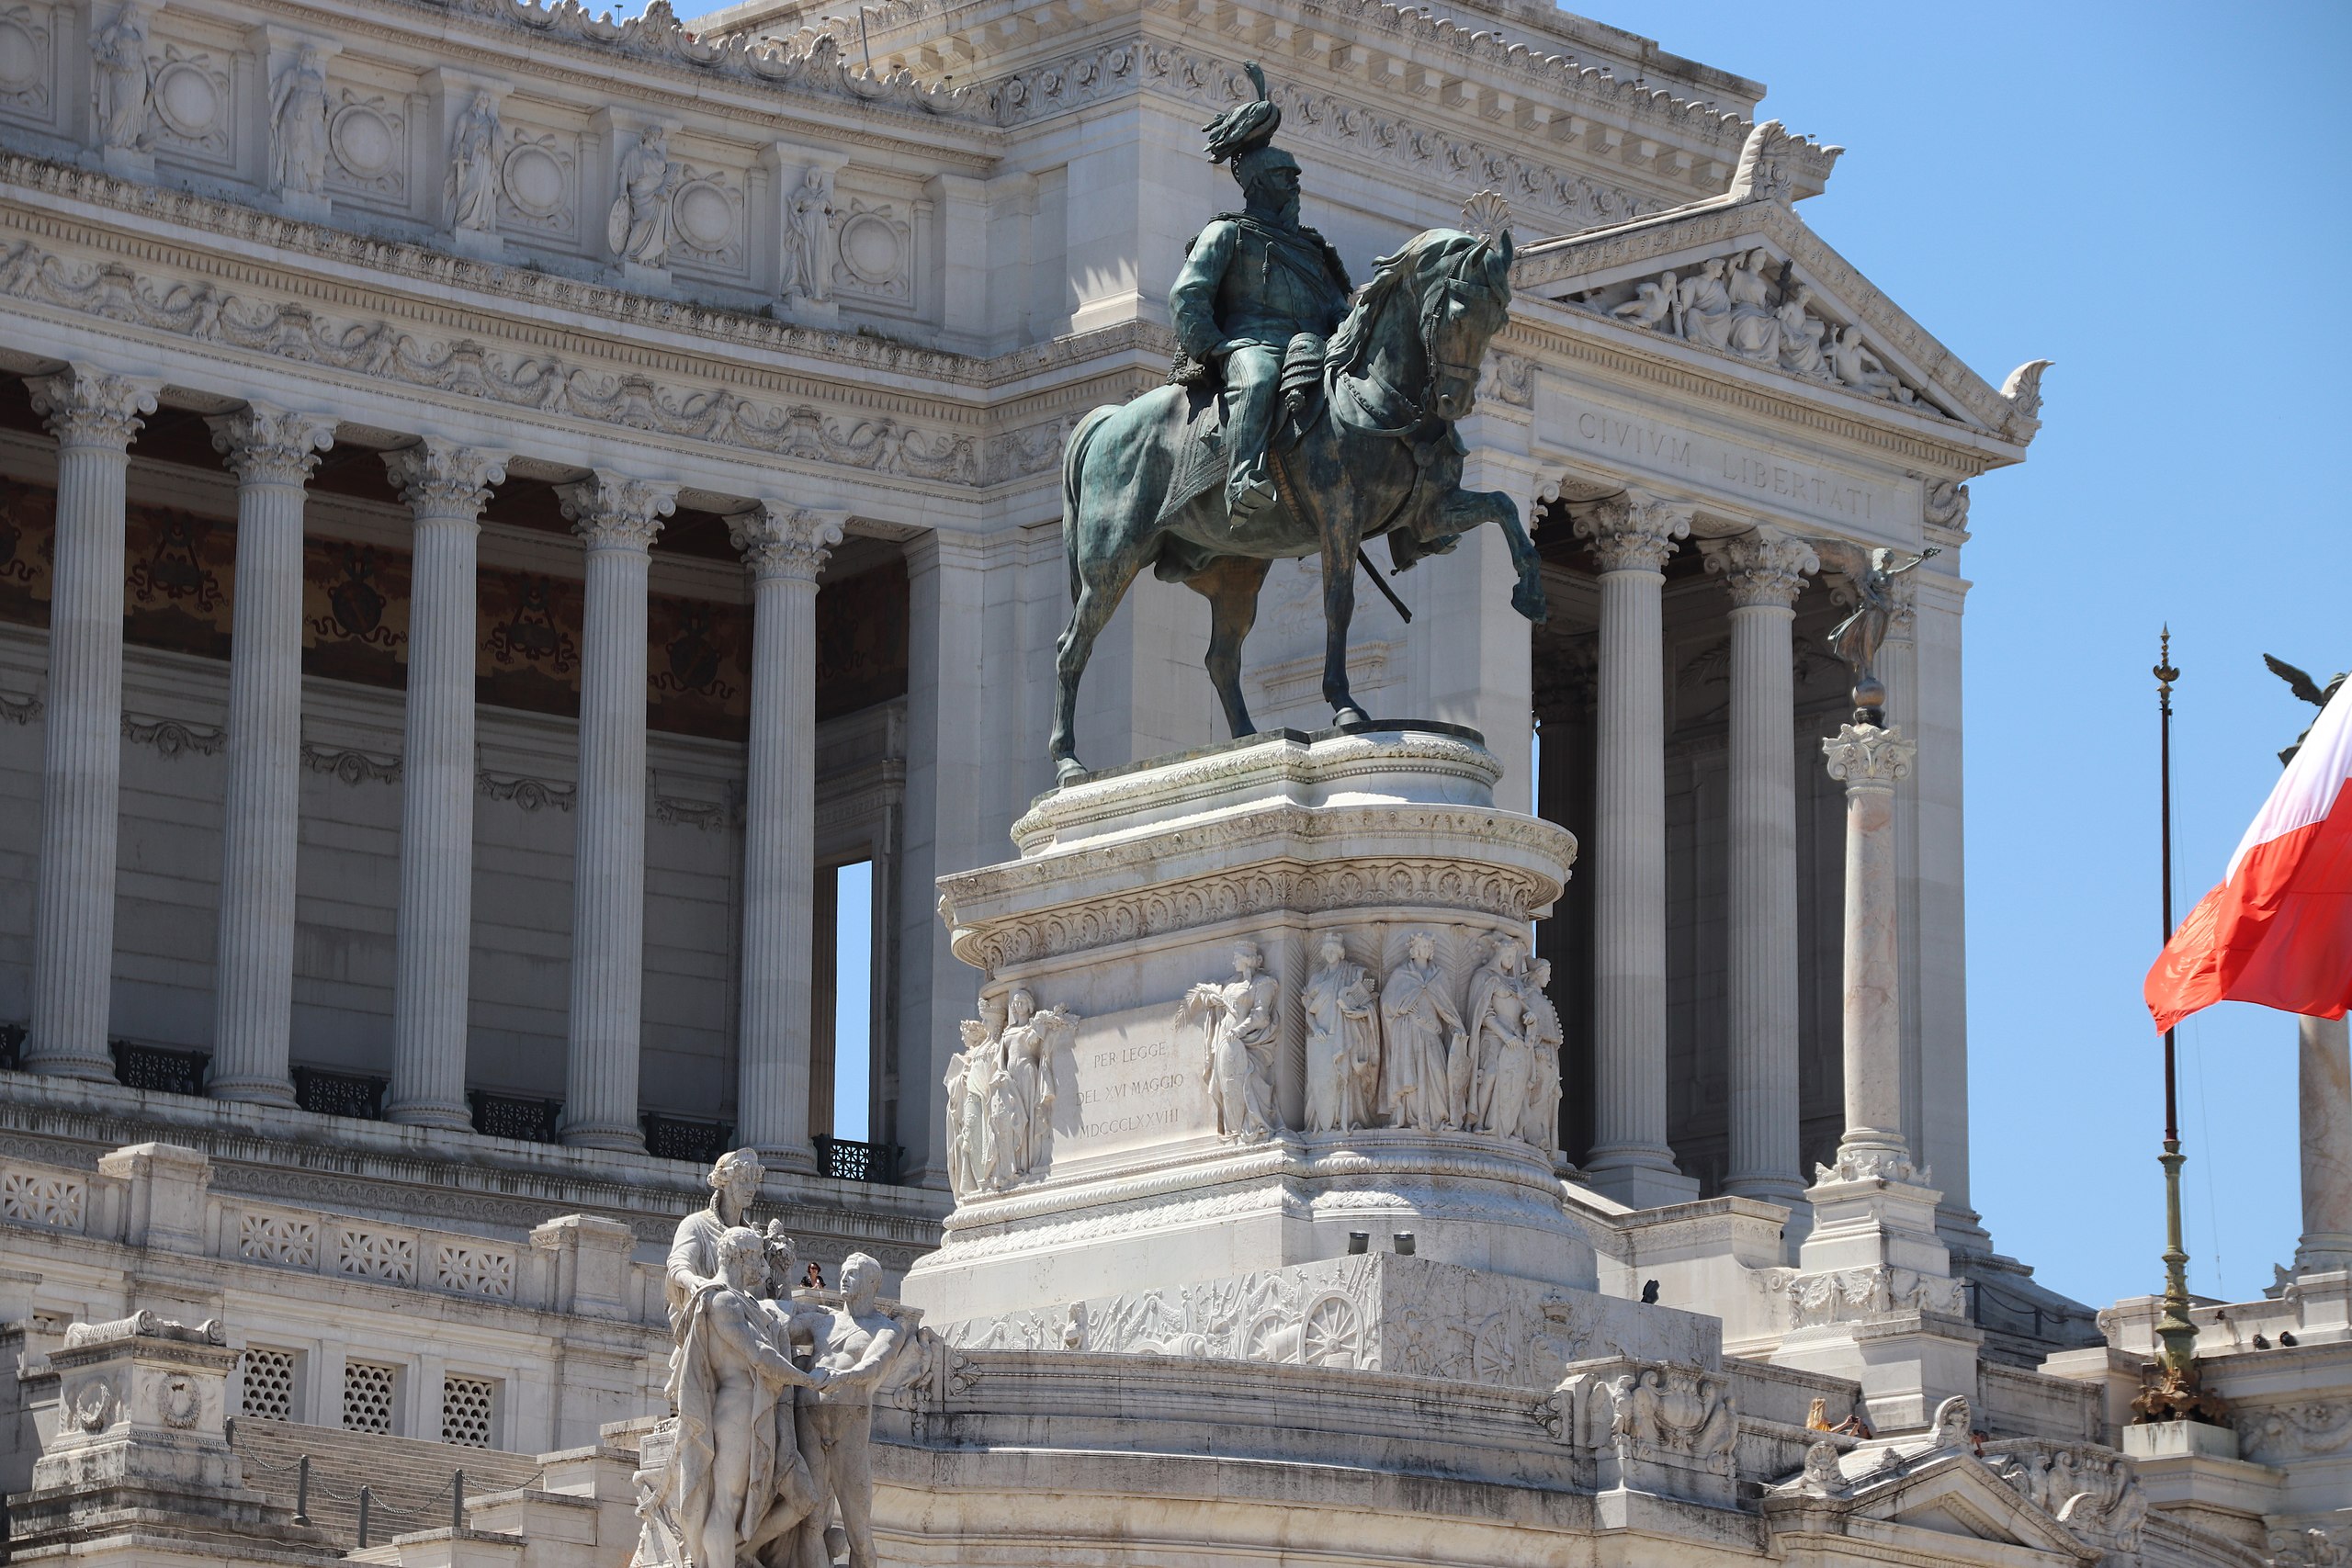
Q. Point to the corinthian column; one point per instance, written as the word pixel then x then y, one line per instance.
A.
pixel 1632 535
pixel 445 487
pixel 1765 570
pixel 94 416
pixel 1868 760
pixel 786 548
pixel 616 518
pixel 273 453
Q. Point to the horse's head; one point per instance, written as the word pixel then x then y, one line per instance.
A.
pixel 1463 304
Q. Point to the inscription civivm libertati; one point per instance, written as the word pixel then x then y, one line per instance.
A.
pixel 1629 440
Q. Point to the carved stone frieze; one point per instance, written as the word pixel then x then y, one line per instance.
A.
pixel 1850 1295
pixel 2091 1490
pixel 2269 1434
pixel 350 764
pixel 173 738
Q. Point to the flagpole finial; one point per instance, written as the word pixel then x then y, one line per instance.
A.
pixel 2164 672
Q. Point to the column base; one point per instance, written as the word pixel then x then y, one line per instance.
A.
pixel 98 1069
pixel 425 1113
pixel 1639 1177
pixel 798 1159
pixel 626 1140
pixel 2322 1252
pixel 254 1091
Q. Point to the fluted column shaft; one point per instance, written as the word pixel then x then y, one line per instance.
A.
pixel 1630 1160
pixel 94 416
pixel 2325 1097
pixel 445 487
pixel 273 453
pixel 785 550
pixel 1765 572
pixel 616 518
pixel 1868 760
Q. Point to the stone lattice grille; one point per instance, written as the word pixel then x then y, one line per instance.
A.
pixel 283 1239
pixel 368 1395
pixel 376 1255
pixel 39 1198
pixel 269 1384
pixel 466 1405
pixel 475 1270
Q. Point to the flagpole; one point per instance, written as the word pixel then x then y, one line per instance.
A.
pixel 2177 1334
pixel 2172 1389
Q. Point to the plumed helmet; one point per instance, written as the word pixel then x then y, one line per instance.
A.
pixel 1245 128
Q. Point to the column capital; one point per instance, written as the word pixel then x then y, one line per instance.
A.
pixel 781 540
pixel 612 512
pixel 1633 532
pixel 84 406
pixel 1862 755
pixel 440 478
pixel 1763 566
pixel 264 445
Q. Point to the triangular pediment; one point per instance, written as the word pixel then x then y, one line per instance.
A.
pixel 1943 1493
pixel 1748 289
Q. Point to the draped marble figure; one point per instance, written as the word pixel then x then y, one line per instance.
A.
pixel 473 169
pixel 1501 1064
pixel 1416 1015
pixel 1342 1042
pixel 298 143
pixel 1238 1063
pixel 125 85
pixel 638 226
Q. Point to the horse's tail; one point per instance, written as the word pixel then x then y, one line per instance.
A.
pixel 1073 461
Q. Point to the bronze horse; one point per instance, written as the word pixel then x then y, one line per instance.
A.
pixel 1371 450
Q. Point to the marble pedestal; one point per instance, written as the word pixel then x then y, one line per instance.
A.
pixel 1136 887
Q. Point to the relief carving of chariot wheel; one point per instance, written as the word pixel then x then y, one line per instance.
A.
pixel 1491 1354
pixel 1333 1334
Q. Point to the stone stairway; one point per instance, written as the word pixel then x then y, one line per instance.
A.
pixel 409 1479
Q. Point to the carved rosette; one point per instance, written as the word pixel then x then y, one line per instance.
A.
pixel 1631 532
pixel 441 479
pixel 783 541
pixel 611 512
pixel 1864 756
pixel 271 446
pixel 1763 566
pixel 87 407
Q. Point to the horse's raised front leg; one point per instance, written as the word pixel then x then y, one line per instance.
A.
pixel 1231 588
pixel 1464 510
pixel 1339 545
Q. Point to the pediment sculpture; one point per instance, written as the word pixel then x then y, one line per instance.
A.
pixel 1752 307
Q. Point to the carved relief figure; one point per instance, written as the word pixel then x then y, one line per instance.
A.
pixel 808 237
pixel 1342 1042
pixel 1651 303
pixel 1801 333
pixel 1755 331
pixel 1545 1038
pixel 1000 1154
pixel 852 1350
pixel 125 85
pixel 1501 1061
pixel 473 167
pixel 637 228
pixel 963 1172
pixel 1704 307
pixel 297 141
pixel 1418 1016
pixel 1027 1047
pixel 1238 1065
pixel 732 1475
pixel 1857 367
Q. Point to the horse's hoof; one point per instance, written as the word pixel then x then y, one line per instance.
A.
pixel 1350 717
pixel 1068 771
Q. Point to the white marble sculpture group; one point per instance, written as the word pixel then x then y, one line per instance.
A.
pixel 1002 1088
pixel 772 1395
pixel 1735 305
pixel 1402 1053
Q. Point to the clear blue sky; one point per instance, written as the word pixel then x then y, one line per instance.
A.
pixel 2153 196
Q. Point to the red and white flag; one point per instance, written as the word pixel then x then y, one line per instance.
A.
pixel 2278 929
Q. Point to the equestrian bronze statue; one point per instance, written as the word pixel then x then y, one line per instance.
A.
pixel 1297 423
